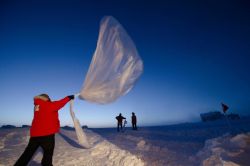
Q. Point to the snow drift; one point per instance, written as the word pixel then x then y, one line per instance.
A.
pixel 67 151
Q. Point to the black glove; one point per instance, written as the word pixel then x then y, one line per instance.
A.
pixel 71 97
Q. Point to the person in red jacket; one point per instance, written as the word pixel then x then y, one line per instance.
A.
pixel 44 126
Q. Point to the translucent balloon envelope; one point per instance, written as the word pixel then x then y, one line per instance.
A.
pixel 115 66
pixel 114 69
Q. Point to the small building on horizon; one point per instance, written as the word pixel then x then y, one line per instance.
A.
pixel 217 115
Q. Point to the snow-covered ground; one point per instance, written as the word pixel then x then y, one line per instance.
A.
pixel 208 144
pixel 67 150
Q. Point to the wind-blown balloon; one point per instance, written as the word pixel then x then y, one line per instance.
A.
pixel 115 66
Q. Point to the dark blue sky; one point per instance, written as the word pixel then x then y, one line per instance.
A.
pixel 196 55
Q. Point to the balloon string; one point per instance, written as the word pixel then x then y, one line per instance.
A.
pixel 82 138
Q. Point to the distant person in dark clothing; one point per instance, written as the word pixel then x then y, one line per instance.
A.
pixel 119 121
pixel 134 121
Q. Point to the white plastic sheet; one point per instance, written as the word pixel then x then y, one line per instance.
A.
pixel 115 66
pixel 82 138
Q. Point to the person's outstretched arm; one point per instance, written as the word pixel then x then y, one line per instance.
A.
pixel 56 105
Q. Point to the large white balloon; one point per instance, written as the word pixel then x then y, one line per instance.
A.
pixel 115 66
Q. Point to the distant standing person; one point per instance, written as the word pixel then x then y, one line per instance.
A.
pixel 134 121
pixel 119 121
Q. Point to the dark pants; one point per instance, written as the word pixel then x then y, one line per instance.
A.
pixel 119 125
pixel 46 142
pixel 134 126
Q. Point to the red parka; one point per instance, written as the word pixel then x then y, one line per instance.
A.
pixel 45 121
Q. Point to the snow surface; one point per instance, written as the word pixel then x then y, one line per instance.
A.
pixel 207 144
pixel 67 150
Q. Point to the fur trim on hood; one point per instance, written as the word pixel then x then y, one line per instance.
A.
pixel 43 97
